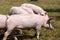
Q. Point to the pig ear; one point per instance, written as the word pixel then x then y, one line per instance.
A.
pixel 50 18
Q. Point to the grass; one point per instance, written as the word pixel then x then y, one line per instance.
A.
pixel 46 34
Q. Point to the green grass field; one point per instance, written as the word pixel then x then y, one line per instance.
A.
pixel 46 34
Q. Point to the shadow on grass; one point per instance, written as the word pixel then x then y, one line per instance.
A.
pixel 57 18
pixel 52 10
pixel 1 36
pixel 26 37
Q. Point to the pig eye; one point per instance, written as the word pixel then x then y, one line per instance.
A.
pixel 41 14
